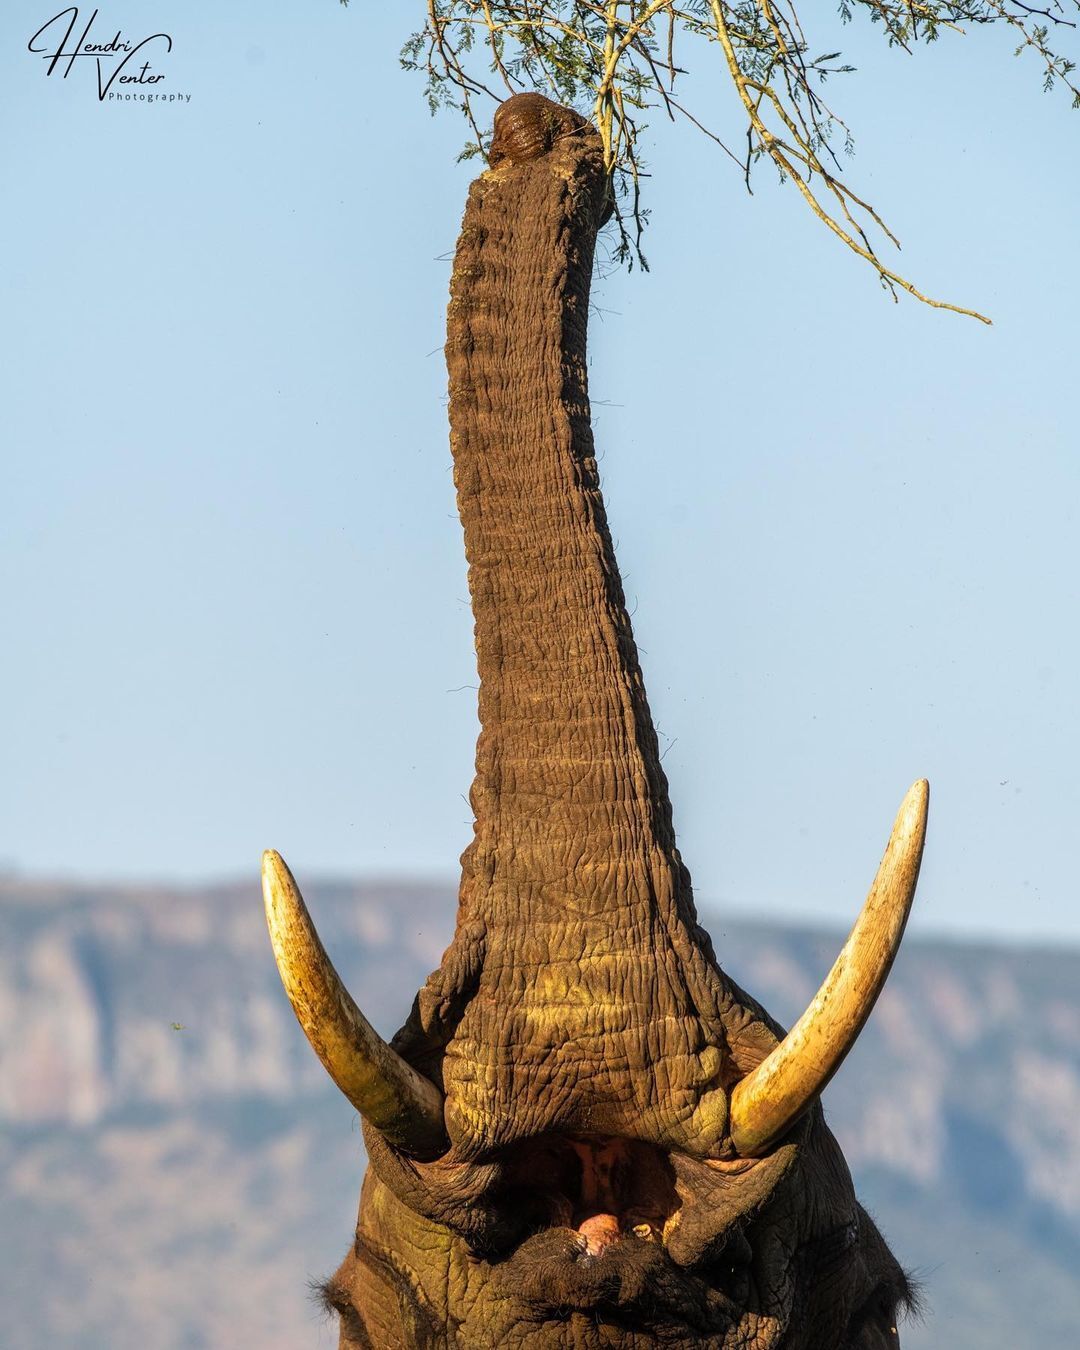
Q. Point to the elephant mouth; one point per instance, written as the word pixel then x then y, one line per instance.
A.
pixel 601 1248
pixel 580 1231
pixel 603 1189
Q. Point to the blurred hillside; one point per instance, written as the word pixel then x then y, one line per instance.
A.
pixel 175 1166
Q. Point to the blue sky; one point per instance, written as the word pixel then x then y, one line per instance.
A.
pixel 234 591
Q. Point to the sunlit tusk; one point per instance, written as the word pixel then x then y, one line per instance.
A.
pixel 387 1092
pixel 771 1098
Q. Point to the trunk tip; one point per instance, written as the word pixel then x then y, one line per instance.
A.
pixel 528 125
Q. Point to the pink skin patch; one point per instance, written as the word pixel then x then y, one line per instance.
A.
pixel 599 1231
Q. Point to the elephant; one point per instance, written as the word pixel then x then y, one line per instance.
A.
pixel 585 1134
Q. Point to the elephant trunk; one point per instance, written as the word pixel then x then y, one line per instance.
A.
pixel 568 786
pixel 573 878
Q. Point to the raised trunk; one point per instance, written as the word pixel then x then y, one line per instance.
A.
pixel 568 787
pixel 577 940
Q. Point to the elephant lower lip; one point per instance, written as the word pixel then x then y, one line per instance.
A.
pixel 558 1274
pixel 577 1266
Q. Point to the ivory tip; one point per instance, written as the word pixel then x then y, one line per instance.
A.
pixel 768 1101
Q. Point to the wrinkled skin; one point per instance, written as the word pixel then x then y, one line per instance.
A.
pixel 752 1255
pixel 580 1027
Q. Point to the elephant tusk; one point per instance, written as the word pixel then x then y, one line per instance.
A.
pixel 405 1106
pixel 772 1097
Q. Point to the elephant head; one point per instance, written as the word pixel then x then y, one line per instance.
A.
pixel 586 1134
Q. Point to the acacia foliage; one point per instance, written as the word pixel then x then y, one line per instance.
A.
pixel 616 61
